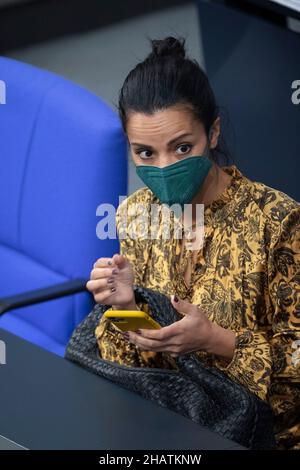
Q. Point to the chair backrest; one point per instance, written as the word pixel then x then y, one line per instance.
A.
pixel 62 153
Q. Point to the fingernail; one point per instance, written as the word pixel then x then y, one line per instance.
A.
pixel 126 335
pixel 175 298
pixel 110 280
pixel 115 271
pixel 138 332
pixel 113 289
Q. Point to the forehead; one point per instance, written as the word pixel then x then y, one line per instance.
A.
pixel 160 125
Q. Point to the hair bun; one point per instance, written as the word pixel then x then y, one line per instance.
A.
pixel 168 46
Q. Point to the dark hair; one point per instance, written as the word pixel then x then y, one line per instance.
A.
pixel 167 78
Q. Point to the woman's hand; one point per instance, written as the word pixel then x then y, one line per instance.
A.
pixel 194 332
pixel 111 282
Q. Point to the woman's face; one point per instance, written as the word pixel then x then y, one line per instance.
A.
pixel 167 136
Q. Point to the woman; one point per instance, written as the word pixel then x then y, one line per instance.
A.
pixel 238 292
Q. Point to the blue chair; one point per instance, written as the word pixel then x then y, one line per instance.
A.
pixel 62 154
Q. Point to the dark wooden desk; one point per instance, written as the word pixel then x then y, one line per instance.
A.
pixel 48 402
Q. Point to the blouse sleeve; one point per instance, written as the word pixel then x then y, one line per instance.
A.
pixel 132 244
pixel 263 359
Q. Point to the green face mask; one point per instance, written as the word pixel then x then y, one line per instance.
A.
pixel 178 182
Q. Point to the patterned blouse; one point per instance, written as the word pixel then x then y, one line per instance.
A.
pixel 246 277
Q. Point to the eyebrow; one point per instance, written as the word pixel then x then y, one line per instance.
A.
pixel 168 144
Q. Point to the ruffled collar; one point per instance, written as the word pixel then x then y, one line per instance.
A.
pixel 225 202
pixel 223 205
pixel 228 193
pixel 219 213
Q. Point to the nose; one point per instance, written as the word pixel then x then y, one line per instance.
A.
pixel 166 160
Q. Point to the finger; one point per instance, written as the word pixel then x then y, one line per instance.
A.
pixel 105 296
pixel 120 260
pixel 182 306
pixel 165 333
pixel 99 273
pixel 148 344
pixel 103 263
pixel 96 285
pixel 169 349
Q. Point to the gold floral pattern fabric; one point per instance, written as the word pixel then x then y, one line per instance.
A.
pixel 246 277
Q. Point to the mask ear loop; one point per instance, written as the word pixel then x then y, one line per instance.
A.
pixel 206 152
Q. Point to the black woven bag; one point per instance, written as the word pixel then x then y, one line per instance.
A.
pixel 203 394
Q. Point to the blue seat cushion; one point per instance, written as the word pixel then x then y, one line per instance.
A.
pixel 47 324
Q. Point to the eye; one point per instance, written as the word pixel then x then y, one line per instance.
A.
pixel 144 154
pixel 185 148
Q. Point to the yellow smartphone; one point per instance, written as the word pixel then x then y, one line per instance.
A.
pixel 131 320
